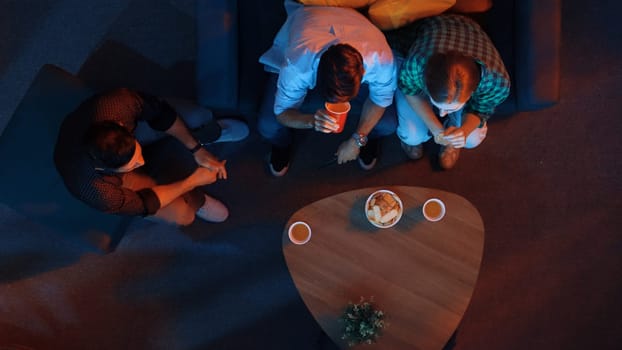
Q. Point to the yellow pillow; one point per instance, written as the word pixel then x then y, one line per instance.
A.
pixel 392 14
pixel 340 3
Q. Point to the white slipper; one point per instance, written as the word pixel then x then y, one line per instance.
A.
pixel 232 130
pixel 213 210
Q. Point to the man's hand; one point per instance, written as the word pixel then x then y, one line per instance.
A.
pixel 203 176
pixel 347 151
pixel 202 156
pixel 207 160
pixel 440 140
pixel 324 122
pixel 453 136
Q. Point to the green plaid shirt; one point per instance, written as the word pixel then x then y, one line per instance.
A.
pixel 456 33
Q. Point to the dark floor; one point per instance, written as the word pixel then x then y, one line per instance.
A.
pixel 547 184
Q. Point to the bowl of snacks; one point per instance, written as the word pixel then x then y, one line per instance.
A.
pixel 383 208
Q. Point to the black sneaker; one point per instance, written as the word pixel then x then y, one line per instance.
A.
pixel 208 132
pixel 369 155
pixel 413 152
pixel 279 160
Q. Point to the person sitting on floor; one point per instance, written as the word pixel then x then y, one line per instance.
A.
pixel 340 56
pixel 99 155
pixel 451 69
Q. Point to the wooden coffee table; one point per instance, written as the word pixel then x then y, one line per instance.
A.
pixel 421 274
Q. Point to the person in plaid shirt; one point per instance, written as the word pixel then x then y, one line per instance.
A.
pixel 450 83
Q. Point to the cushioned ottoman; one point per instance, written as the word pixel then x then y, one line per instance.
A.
pixel 30 183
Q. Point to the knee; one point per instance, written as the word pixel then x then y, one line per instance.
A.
pixel 185 218
pixel 269 127
pixel 385 127
pixel 476 137
pixel 412 136
pixel 266 123
pixel 197 117
pixel 387 123
pixel 472 144
pixel 193 114
pixel 183 214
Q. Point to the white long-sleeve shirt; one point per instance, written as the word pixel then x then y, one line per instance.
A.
pixel 311 30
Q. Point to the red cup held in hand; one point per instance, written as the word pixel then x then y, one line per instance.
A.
pixel 339 111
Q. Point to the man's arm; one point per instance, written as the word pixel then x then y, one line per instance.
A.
pixel 162 116
pixel 167 193
pixel 370 115
pixel 423 108
pixel 320 121
pixel 138 195
pixel 456 136
pixel 181 132
pixel 204 158
pixel 470 122
pixel 491 92
pixel 291 90
pixel 293 118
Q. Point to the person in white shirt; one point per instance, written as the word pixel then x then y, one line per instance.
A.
pixel 327 54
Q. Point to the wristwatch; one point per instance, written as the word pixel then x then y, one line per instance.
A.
pixel 196 148
pixel 360 139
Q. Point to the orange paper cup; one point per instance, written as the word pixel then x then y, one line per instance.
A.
pixel 339 111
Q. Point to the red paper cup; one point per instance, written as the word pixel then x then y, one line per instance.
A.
pixel 339 111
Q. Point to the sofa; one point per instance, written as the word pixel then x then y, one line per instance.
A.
pixel 232 34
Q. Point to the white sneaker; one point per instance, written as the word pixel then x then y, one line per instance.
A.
pixel 232 130
pixel 213 210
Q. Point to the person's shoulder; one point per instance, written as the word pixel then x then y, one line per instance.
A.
pixel 417 59
pixel 120 92
pixel 119 99
pixel 495 75
pixel 76 169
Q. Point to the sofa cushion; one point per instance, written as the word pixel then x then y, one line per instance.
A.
pixel 527 34
pixel 340 3
pixel 217 44
pixel 30 183
pixel 393 14
pixel 537 54
pixel 471 6
pixel 232 80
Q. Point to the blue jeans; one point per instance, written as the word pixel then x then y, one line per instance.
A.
pixel 413 131
pixel 280 135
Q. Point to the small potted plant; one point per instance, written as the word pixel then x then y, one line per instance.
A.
pixel 363 323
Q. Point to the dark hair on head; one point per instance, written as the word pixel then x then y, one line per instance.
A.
pixel 339 73
pixel 109 144
pixel 451 77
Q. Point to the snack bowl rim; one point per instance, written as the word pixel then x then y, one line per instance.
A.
pixel 399 214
